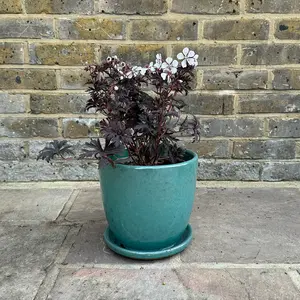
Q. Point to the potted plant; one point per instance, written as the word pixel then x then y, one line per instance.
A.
pixel 147 179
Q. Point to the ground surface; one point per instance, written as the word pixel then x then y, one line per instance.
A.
pixel 246 246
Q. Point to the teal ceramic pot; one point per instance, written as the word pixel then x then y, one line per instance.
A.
pixel 148 207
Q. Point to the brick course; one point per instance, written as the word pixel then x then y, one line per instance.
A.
pixel 246 93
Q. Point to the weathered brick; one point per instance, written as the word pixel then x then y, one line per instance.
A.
pixel 211 55
pixel 59 6
pixel 55 104
pixel 145 7
pixel 275 54
pixel 32 28
pixel 268 149
pixel 11 53
pixel 286 79
pixel 12 150
pixel 284 128
pixel 13 103
pixel 228 170
pixel 164 30
pixel 288 29
pixel 32 170
pixel 28 127
pixel 62 54
pixel 281 171
pixel 235 79
pixel 91 29
pixel 268 103
pixel 236 30
pixel 231 127
pixel 210 148
pixel 27 79
pixel 10 7
pixel 135 54
pixel 74 79
pixel 80 128
pixel 206 6
pixel 272 6
pixel 207 104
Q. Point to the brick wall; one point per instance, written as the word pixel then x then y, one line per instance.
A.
pixel 246 94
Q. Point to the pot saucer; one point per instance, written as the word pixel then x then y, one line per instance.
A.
pixel 114 245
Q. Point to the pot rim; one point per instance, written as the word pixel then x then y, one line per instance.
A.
pixel 184 163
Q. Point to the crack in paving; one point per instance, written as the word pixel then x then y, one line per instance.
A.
pixel 243 284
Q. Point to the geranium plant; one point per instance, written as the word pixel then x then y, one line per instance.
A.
pixel 144 124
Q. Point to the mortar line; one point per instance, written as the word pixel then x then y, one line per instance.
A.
pixel 168 16
pixel 172 265
pixel 235 104
pixel 200 30
pixel 52 271
pixel 116 42
pixel 67 207
pixel 26 53
pixel 82 116
pixel 95 184
pixel 231 67
pixel 23 8
pixel 58 78
pixel 47 284
pixel 242 5
pixel 239 54
pixel 217 138
pixel 272 30
pixel 199 80
pixel 206 92
pixel 266 127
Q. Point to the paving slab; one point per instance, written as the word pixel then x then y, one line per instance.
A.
pixel 38 205
pixel 117 284
pixel 245 226
pixel 90 248
pixel 26 252
pixel 88 206
pixel 237 284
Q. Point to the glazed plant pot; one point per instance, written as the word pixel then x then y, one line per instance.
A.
pixel 148 207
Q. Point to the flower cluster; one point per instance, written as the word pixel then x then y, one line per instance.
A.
pixel 166 69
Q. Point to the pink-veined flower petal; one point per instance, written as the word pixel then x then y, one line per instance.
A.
pixel 185 51
pixel 191 61
pixel 175 63
pixel 164 65
pixel 158 56
pixel 183 63
pixel 196 56
pixel 191 53
pixel 180 56
pixel 169 60
pixel 173 70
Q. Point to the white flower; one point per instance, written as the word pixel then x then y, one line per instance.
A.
pixel 188 57
pixel 116 88
pixel 109 59
pixel 151 67
pixel 135 71
pixel 170 65
pixel 169 68
pixel 158 61
pixel 143 71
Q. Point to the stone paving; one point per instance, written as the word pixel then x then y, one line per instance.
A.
pixel 246 246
